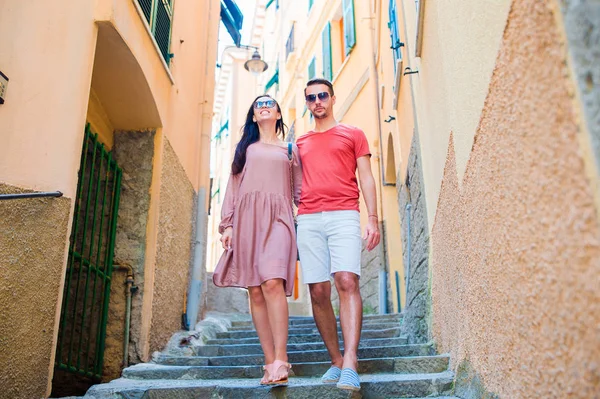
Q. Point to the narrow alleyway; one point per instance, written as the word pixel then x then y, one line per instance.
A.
pixel 229 366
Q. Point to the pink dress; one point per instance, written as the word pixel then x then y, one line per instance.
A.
pixel 258 206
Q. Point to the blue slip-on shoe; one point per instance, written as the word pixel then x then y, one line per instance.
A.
pixel 349 380
pixel 332 375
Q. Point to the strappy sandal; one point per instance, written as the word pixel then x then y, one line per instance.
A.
pixel 273 368
pixel 267 376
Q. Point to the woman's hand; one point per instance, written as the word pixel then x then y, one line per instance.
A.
pixel 226 238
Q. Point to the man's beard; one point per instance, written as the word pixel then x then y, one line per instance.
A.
pixel 321 116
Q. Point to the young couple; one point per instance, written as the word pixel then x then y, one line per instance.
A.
pixel 258 235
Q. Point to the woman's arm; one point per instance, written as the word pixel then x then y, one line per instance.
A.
pixel 297 175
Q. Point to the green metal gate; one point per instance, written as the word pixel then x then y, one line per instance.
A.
pixel 84 311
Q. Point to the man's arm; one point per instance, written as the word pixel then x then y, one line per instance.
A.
pixel 367 186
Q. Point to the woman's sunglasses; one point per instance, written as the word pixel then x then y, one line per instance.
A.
pixel 323 96
pixel 266 103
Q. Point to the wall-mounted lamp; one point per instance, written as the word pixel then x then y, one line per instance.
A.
pixel 391 118
pixel 254 65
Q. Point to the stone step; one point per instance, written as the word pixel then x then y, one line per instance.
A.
pixel 248 349
pixel 294 357
pixel 399 365
pixel 309 329
pixel 373 386
pixel 297 332
pixel 311 323
pixel 303 338
pixel 309 319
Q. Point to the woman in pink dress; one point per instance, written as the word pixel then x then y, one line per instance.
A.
pixel 257 229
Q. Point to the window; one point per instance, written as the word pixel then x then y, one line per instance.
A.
pixel 349 28
pixel 337 42
pixel 289 44
pixel 327 59
pixel 312 72
pixel 394 32
pixel 159 15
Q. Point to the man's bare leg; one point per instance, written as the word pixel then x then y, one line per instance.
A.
pixel 320 294
pixel 348 287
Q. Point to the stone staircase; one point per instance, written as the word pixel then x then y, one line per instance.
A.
pixel 229 366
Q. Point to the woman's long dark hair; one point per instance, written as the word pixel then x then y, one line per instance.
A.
pixel 250 134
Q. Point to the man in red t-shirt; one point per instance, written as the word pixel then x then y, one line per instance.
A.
pixel 329 234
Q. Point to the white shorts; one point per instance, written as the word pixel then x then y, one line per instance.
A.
pixel 329 242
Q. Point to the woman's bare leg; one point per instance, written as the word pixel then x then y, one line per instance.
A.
pixel 260 318
pixel 278 315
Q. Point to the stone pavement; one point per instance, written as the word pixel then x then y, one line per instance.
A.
pixel 227 364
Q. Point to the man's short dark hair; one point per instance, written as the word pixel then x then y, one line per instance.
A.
pixel 320 81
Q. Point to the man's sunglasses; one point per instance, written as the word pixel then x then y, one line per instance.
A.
pixel 266 103
pixel 323 96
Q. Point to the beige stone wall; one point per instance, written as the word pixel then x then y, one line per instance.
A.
pixel 516 249
pixel 32 260
pixel 175 222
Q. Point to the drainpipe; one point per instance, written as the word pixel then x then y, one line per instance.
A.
pixel 383 274
pixel 193 305
pixel 129 291
pixel 408 250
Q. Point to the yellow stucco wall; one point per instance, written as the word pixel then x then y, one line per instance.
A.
pixel 454 73
pixel 42 120
pixel 96 63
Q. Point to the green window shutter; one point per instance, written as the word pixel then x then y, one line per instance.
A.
pixel 146 6
pixel 159 14
pixel 162 29
pixel 223 128
pixel 349 26
pixel 327 66
pixel 310 4
pixel 312 69
pixel 274 80
pixel 269 3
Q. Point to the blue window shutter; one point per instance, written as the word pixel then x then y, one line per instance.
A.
pixel 349 26
pixel 394 32
pixel 327 66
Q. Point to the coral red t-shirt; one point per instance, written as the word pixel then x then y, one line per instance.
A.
pixel 329 168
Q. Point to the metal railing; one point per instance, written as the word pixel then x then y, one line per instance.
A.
pixel 54 194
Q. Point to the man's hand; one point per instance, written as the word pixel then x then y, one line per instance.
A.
pixel 372 235
pixel 226 238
